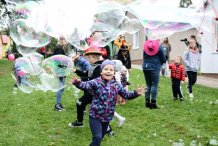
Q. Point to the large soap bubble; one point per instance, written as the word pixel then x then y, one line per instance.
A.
pixel 25 50
pixel 24 64
pixel 58 65
pixel 107 26
pixel 131 25
pixel 78 39
pixel 24 10
pixel 166 29
pixel 19 1
pixel 24 34
pixel 50 82
pixel 22 69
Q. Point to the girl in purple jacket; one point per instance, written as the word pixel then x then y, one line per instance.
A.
pixel 105 90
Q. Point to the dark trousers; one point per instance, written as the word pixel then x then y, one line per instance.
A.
pixel 81 105
pixel 192 78
pixel 98 130
pixel 152 79
pixel 176 88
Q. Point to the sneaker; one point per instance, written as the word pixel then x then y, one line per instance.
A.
pixel 191 95
pixel 110 133
pixel 121 121
pixel 59 107
pixel 181 99
pixel 187 89
pixel 76 124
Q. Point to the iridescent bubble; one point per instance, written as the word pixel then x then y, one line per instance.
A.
pixel 77 39
pixel 58 65
pixel 25 50
pixel 23 10
pixel 30 65
pixel 152 24
pixel 68 17
pixel 24 64
pixel 19 1
pixel 131 25
pixel 36 61
pixel 50 82
pixel 21 76
pixel 23 34
pixel 108 25
pixel 166 29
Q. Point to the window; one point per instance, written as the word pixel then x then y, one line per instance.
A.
pixel 135 40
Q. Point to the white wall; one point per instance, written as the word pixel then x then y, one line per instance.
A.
pixel 209 59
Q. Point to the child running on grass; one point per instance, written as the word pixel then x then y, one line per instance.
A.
pixel 177 75
pixel 105 90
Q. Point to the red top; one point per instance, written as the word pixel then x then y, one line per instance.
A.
pixel 177 71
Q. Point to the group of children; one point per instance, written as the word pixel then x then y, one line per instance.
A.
pixel 101 90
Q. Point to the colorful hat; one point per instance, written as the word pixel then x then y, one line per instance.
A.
pixel 151 47
pixel 107 62
pixel 93 50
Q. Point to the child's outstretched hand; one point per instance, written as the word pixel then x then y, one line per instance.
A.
pixel 75 80
pixel 140 90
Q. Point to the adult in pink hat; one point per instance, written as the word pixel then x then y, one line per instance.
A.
pixel 151 47
pixel 153 58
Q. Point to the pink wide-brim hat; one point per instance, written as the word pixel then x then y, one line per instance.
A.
pixel 151 47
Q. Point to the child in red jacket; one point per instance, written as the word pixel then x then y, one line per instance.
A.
pixel 177 75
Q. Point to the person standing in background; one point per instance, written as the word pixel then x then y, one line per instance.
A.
pixel 166 47
pixel 192 61
pixel 153 58
pixel 59 50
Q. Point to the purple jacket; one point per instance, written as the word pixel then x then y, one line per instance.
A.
pixel 105 96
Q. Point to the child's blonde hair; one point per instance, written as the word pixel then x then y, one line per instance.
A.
pixel 180 58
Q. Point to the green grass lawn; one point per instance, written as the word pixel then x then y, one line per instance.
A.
pixel 30 119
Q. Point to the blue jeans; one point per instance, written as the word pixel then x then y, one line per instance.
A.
pixel 152 79
pixel 98 130
pixel 61 91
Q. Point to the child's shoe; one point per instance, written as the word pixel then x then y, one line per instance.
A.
pixel 191 95
pixel 153 104
pixel 147 103
pixel 59 107
pixel 181 99
pixel 121 121
pixel 109 131
pixel 76 124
